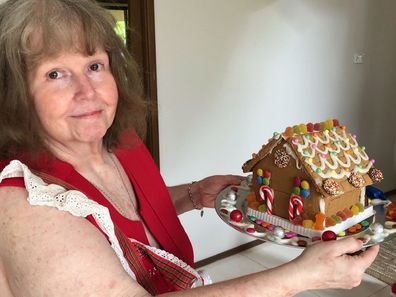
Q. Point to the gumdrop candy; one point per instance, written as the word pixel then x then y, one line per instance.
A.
pixel 260 172
pixel 329 124
pixel 305 193
pixel 266 181
pixel 303 128
pixel 296 129
pixel 305 185
pixel 296 190
pixel 352 229
pixel 330 222
pixel 336 218
pixel 267 174
pixel 259 180
pixel 251 197
pixel 254 204
pixel 348 212
pixel 298 221
pixel 360 206
pixel 310 127
pixel 355 209
pixel 335 123
pixel 297 181
pixel 317 127
pixel 322 126
pixel 262 208
pixel 342 215
pixel 308 224
pixel 288 132
pixel 341 234
pixel 319 221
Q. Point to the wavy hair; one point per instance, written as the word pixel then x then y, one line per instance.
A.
pixel 31 30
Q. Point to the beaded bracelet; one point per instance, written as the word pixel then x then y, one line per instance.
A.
pixel 194 203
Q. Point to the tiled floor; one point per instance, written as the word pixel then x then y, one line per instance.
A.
pixel 268 255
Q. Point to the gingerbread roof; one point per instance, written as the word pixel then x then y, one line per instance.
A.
pixel 325 150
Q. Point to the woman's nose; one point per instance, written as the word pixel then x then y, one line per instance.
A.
pixel 85 88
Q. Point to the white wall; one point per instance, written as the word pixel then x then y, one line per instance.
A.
pixel 231 72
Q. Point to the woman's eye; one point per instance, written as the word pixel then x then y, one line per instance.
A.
pixel 54 75
pixel 96 67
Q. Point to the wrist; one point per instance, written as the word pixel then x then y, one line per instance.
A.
pixel 194 196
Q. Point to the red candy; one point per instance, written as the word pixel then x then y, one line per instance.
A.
pixel 329 235
pixel 342 215
pixel 267 173
pixel 317 127
pixel 336 123
pixel 236 215
pixel 297 181
pixel 310 127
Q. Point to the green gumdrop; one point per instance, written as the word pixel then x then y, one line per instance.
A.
pixel 296 129
pixel 266 181
pixel 364 223
pixel 252 218
pixel 296 190
pixel 262 208
pixel 336 218
pixel 360 206
pixel 318 170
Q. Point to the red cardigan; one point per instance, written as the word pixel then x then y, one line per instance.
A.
pixel 155 206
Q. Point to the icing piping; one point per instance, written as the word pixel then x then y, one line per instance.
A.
pixel 322 205
pixel 290 152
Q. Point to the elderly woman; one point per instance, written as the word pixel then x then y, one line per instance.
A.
pixel 84 211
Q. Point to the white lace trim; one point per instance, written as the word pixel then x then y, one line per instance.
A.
pixel 78 204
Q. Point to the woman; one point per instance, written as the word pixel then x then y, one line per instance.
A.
pixel 83 209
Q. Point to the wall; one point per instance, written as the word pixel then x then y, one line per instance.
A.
pixel 231 72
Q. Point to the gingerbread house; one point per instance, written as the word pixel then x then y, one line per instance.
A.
pixel 312 175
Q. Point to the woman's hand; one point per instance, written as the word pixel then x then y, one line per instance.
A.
pixel 208 188
pixel 328 265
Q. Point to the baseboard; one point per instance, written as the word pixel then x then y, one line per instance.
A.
pixel 248 245
pixel 228 253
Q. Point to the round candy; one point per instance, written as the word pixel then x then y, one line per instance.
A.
pixel 262 208
pixel 260 172
pixel 376 228
pixel 305 185
pixel 279 232
pixel 231 195
pixel 296 129
pixel 296 190
pixel 266 181
pixel 236 215
pixel 259 180
pixel 305 193
pixel 328 235
pixel 310 127
pixel 302 243
pixel 250 230
pixel 303 128
pixel 342 233
pixel 317 127
pixel 297 181
pixel 355 209
pixel 267 174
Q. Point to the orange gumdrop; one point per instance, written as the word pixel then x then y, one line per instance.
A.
pixel 288 132
pixel 251 197
pixel 319 221
pixel 348 213
pixel 254 204
pixel 330 222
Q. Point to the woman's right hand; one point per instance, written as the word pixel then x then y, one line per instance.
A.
pixel 334 264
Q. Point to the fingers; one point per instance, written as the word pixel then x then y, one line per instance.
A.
pixel 343 246
pixel 369 255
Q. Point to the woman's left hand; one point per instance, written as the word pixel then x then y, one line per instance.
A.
pixel 208 188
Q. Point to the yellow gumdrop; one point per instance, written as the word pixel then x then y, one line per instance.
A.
pixel 308 224
pixel 329 124
pixel 260 172
pixel 342 233
pixel 305 185
pixel 355 209
pixel 303 129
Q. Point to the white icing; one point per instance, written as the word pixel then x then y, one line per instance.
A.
pixel 290 152
pixel 322 205
pixel 328 167
pixel 362 199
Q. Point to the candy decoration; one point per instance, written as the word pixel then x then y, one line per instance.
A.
pixel 305 185
pixel 304 193
pixel 236 215
pixel 266 181
pixel 310 127
pixel 317 127
pixel 329 235
pixel 259 180
pixel 279 232
pixel 297 221
pixel 296 129
pixel 260 172
pixel 319 221
pixel 307 224
pixel 297 181
pixel 267 195
pixel 296 190
pixel 376 175
pixel 336 123
pixel 356 180
pixel 329 124
pixel 281 158
pixel 267 174
pixel 303 129
pixel 332 187
pixel 295 200
pixel 288 132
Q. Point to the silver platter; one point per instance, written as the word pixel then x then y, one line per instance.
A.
pixel 234 198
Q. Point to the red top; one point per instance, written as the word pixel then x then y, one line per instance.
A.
pixel 155 205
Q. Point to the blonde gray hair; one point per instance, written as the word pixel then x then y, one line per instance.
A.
pixel 31 30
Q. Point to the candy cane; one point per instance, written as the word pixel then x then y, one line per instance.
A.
pixel 295 200
pixel 267 194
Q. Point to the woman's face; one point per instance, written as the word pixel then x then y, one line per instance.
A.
pixel 75 97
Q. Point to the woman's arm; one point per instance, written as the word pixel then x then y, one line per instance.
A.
pixel 50 252
pixel 203 192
